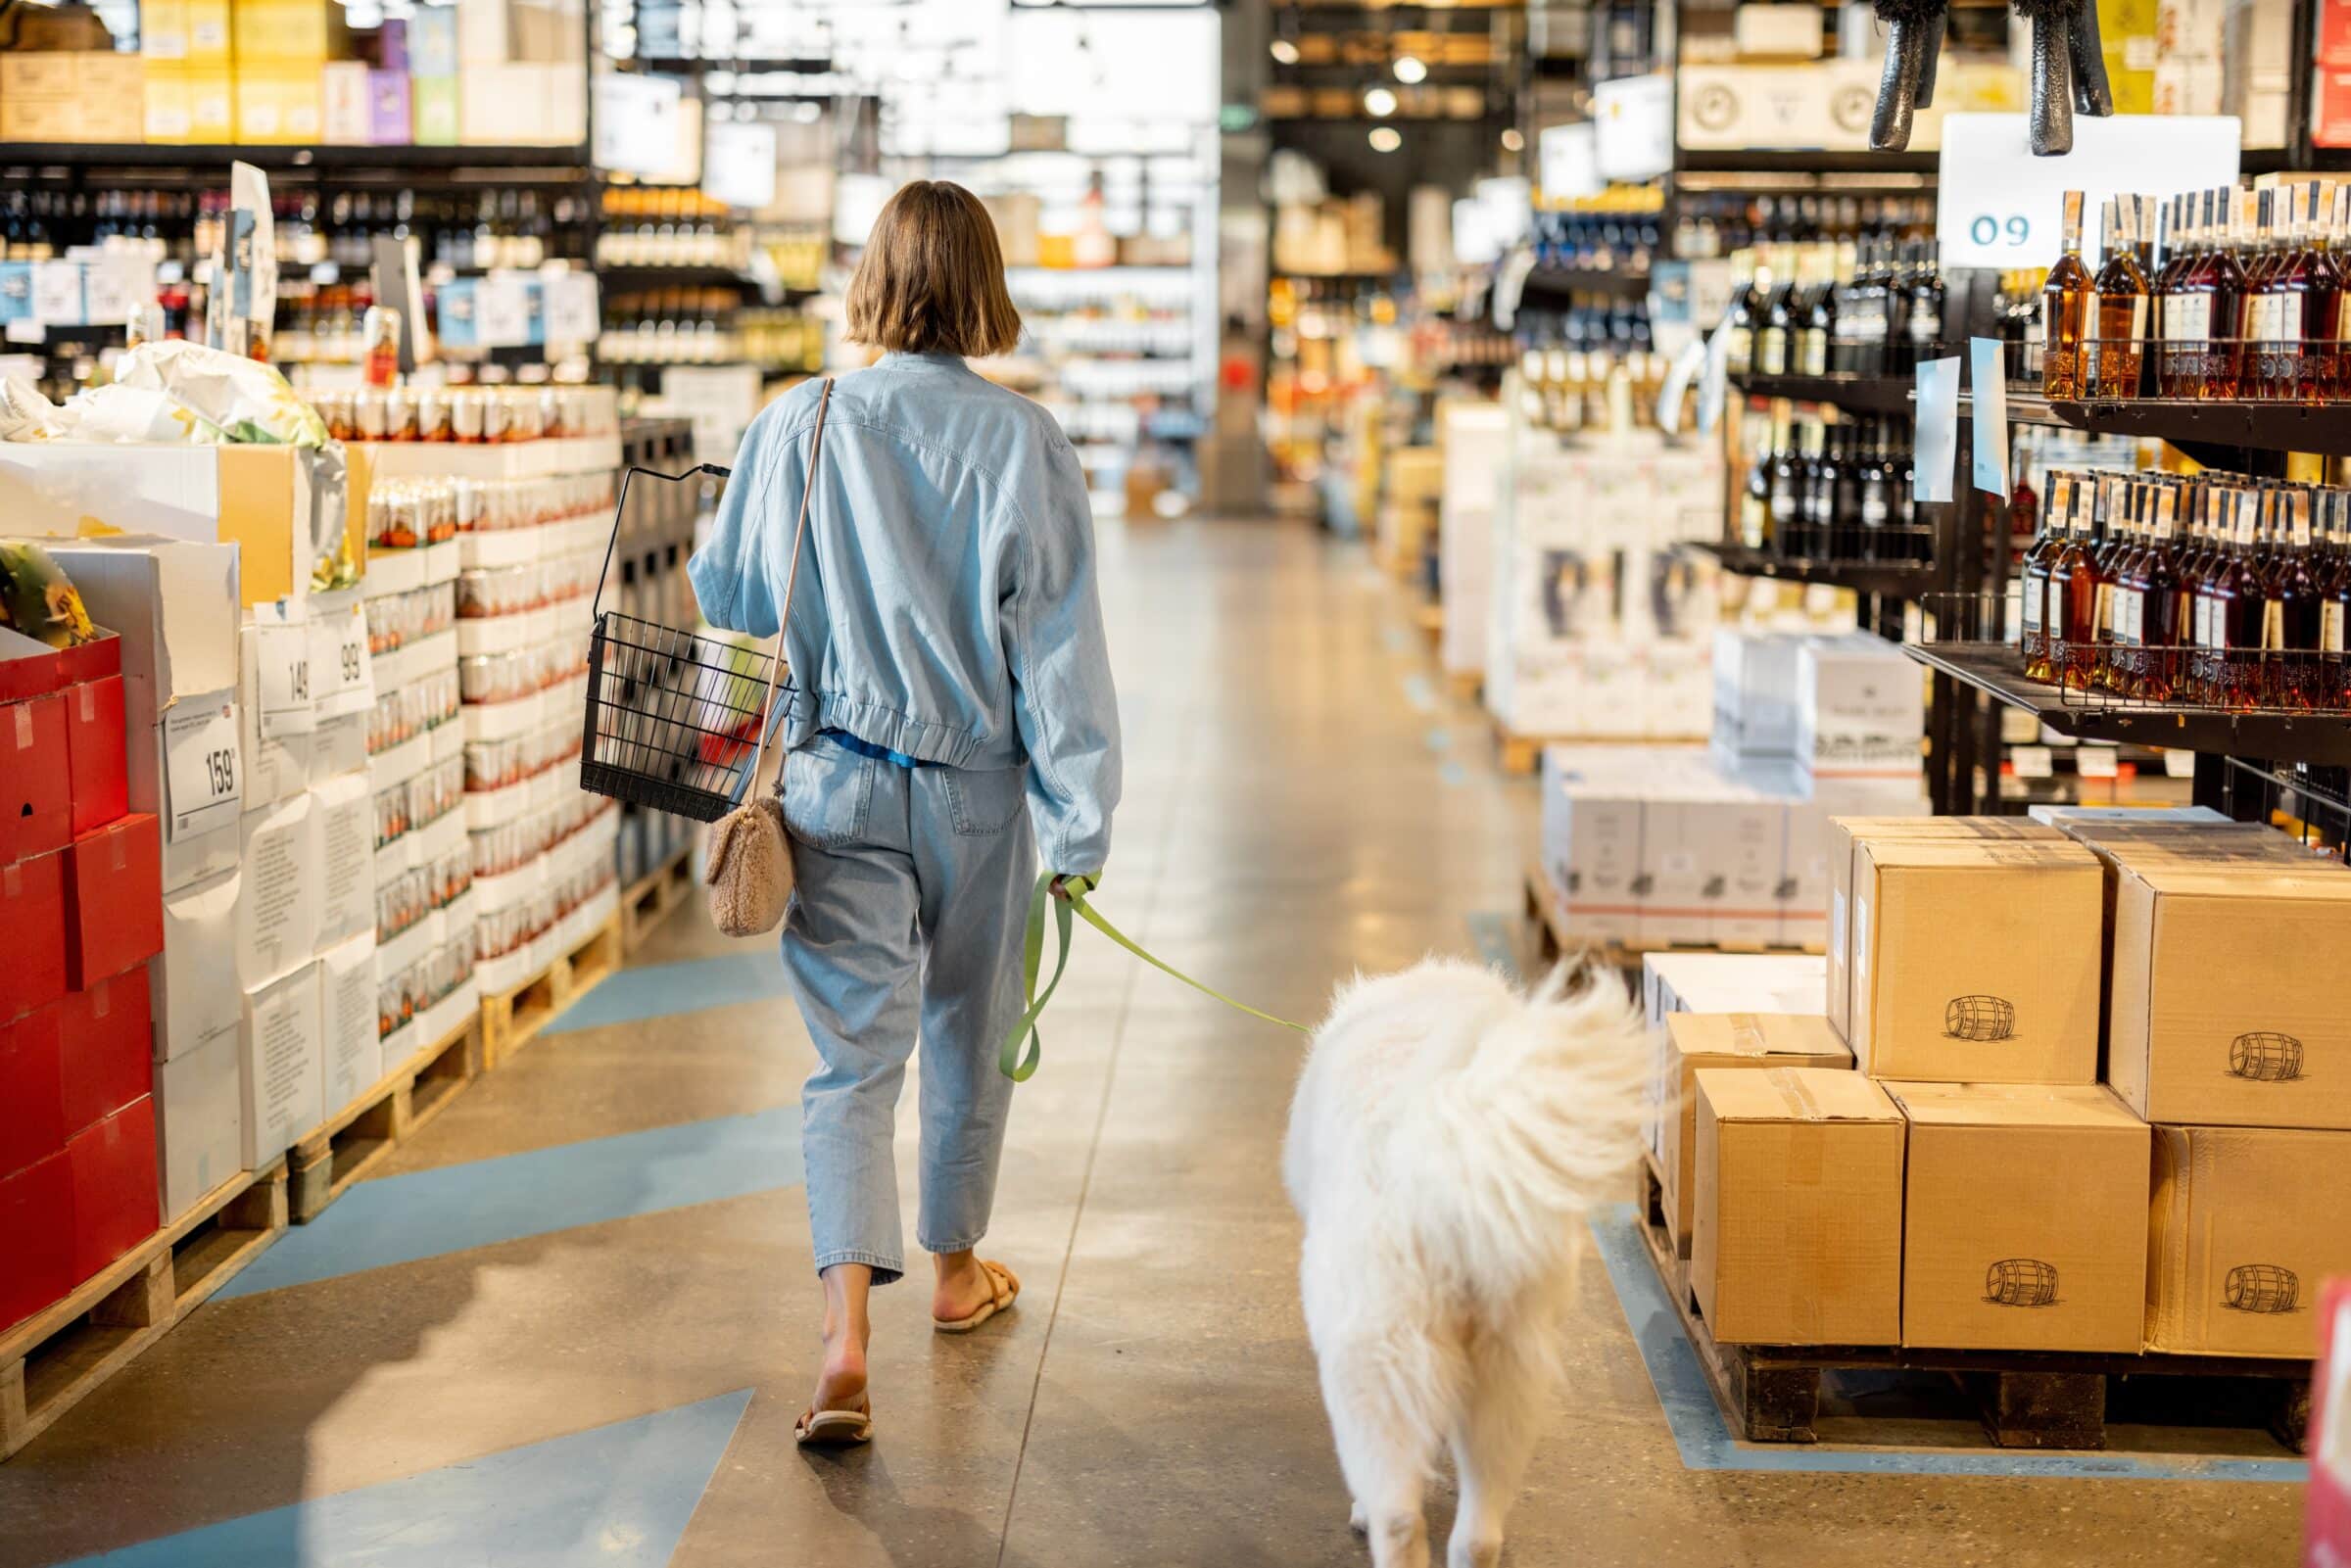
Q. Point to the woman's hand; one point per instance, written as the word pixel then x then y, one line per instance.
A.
pixel 1061 889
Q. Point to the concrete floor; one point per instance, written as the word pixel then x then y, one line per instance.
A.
pixel 1300 803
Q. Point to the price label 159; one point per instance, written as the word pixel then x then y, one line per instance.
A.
pixel 200 767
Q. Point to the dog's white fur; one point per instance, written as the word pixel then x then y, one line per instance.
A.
pixel 1448 1133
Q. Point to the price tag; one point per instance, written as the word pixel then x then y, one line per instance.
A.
pixel 57 294
pixel 342 678
pixel 1634 115
pixel 573 313
pixel 502 313
pixel 738 162
pixel 1998 206
pixel 284 655
pixel 203 780
pixel 2033 762
pixel 2097 762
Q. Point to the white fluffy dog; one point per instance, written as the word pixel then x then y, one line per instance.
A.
pixel 1448 1134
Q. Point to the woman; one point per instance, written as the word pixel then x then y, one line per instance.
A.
pixel 951 712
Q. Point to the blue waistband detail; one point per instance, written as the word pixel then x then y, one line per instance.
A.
pixel 866 748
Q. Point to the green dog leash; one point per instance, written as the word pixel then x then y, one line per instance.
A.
pixel 1010 1061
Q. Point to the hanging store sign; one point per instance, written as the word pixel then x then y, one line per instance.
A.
pixel 637 121
pixel 1998 206
pixel 739 164
pixel 1634 118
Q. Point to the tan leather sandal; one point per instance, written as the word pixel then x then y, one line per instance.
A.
pixel 1007 1290
pixel 835 1429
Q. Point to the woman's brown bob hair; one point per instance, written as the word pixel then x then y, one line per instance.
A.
pixel 932 280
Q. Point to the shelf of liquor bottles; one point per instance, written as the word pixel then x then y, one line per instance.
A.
pixel 1887 579
pixel 2195 426
pixel 1992 668
pixel 1855 394
pixel 1568 280
pixel 174 158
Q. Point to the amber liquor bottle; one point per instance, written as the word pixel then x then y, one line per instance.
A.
pixel 2203 314
pixel 2197 559
pixel 2034 639
pixel 2238 597
pixel 2066 313
pixel 2074 581
pixel 2310 294
pixel 2121 308
pixel 2118 641
pixel 2161 660
pixel 2334 598
pixel 2264 256
pixel 2291 612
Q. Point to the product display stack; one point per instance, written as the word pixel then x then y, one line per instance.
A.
pixel 80 900
pixel 523 496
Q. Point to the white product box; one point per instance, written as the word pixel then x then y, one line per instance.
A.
pixel 1754 692
pixel 338 746
pixel 280 1065
pixel 198 1123
pixel 1721 983
pixel 277 906
pixel 1676 689
pixel 350 106
pixel 1862 710
pixel 351 1055
pixel 273 681
pixel 1475 437
pixel 1821 105
pixel 192 984
pixel 342 826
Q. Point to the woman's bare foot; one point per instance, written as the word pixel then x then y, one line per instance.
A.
pixel 963 1288
pixel 841 1381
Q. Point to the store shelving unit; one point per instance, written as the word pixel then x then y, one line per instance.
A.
pixel 1852 393
pixel 1893 580
pixel 1559 280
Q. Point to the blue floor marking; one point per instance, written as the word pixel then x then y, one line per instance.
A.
pixel 1453 772
pixel 1490 934
pixel 400 1219
pixel 617 1496
pixel 1420 693
pixel 1396 639
pixel 1439 738
pixel 1706 1444
pixel 657 990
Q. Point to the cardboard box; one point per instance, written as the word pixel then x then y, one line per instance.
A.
pixel 1729 982
pixel 288 32
pixel 1860 710
pixel 29 1086
pixel 2247 1224
pixel 70 1066
pixel 114 899
pixel 353 1058
pixel 1720 1041
pixel 32 912
pixel 110 1169
pixel 210 35
pixel 281 1070
pixel 1822 104
pixel 433 40
pixel 163 32
pixel 389 112
pixel 95 752
pixel 36 1209
pixel 1975 962
pixel 277 766
pixel 343 845
pixel 2024 1218
pixel 279 105
pixel 2220 1014
pixel 70 73
pixel 433 104
pixel 193 990
pixel 73 118
pixel 1799 1230
pixel 198 1123
pixel 281 891
pixel 344 103
pixel 36 780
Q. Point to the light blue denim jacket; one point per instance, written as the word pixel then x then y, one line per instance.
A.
pixel 947 606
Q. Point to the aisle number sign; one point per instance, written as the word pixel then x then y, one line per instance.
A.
pixel 1998 206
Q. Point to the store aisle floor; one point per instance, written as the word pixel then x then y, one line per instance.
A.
pixel 573 1320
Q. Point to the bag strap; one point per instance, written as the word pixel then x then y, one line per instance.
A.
pixel 791 579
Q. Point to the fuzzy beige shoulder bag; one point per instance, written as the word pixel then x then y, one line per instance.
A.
pixel 748 860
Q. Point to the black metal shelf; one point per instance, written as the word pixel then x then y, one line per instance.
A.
pixel 1991 668
pixel 1630 285
pixel 1856 392
pixel 1887 579
pixel 630 276
pixel 2211 426
pixel 173 157
pixel 1795 161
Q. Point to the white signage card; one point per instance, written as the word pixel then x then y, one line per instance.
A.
pixel 283 654
pixel 200 768
pixel 1509 207
pixel 637 121
pixel 502 311
pixel 1635 118
pixel 1568 158
pixel 1998 206
pixel 1987 374
pixel 1936 443
pixel 57 294
pixel 738 162
pixel 571 306
pixel 342 678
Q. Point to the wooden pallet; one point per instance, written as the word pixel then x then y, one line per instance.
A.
pixel 510 1020
pixel 322 1167
pixel 1467 685
pixel 651 898
pixel 49 1363
pixel 2025 1398
pixel 1555 939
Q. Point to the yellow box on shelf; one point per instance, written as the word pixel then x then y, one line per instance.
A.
pixel 281 105
pixel 289 31
pixel 189 103
pixel 71 96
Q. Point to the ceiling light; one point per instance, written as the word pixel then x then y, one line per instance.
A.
pixel 1380 101
pixel 1513 141
pixel 1410 69
pixel 1386 139
pixel 1285 51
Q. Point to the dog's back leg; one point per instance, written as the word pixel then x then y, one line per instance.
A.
pixel 1384 1444
pixel 1510 1386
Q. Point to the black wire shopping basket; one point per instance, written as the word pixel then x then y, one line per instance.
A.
pixel 673 717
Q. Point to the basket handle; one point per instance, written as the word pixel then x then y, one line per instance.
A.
pixel 595 608
pixel 792 579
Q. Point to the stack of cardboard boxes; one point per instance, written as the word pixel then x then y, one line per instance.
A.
pixel 2090 1111
pixel 81 904
pixel 1474 437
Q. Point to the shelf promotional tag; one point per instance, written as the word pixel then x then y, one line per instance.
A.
pixel 1998 206
pixel 283 653
pixel 342 679
pixel 200 774
pixel 571 306
pixel 1568 159
pixel 1938 441
pixel 1634 118
pixel 502 311
pixel 1987 374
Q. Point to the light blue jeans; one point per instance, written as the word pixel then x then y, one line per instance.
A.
pixel 912 893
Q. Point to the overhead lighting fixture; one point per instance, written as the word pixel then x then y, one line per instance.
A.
pixel 1513 141
pixel 1285 51
pixel 1410 69
pixel 1381 102
pixel 1386 138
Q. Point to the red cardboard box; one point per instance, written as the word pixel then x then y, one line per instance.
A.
pixel 37 1238
pixel 94 752
pixel 111 1164
pixel 32 933
pixel 29 668
pixel 32 1125
pixel 114 899
pixel 105 1049
pixel 2327 1509
pixel 36 784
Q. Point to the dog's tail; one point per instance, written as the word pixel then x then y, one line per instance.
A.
pixel 1541 1123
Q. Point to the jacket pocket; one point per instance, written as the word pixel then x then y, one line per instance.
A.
pixel 982 801
pixel 828 789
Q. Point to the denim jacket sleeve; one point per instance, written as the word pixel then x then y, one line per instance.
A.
pixel 730 572
pixel 1063 698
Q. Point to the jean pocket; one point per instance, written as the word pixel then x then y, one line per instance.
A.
pixel 982 801
pixel 828 789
